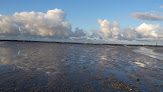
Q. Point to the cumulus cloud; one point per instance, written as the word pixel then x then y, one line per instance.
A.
pixel 109 29
pixel 7 27
pixel 129 33
pixel 147 16
pixel 96 34
pixel 147 30
pixel 105 27
pixel 51 23
pixel 79 33
pixel 113 30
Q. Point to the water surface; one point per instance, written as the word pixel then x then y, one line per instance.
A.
pixel 32 66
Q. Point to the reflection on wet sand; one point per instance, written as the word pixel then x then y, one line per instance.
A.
pixel 150 52
pixel 75 67
pixel 7 55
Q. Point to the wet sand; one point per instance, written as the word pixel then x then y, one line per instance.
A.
pixel 158 50
pixel 56 67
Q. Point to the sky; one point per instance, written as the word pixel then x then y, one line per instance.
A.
pixel 114 21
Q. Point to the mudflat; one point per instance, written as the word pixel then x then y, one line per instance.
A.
pixel 33 66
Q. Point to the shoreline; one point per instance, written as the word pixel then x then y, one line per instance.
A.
pixel 81 43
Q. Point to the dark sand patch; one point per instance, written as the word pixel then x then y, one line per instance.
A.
pixel 114 83
pixel 158 50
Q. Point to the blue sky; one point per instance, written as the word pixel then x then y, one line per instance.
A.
pixel 84 13
pixel 112 18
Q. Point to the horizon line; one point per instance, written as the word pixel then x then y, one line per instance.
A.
pixel 81 43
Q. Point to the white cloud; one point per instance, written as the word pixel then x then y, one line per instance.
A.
pixel 147 16
pixel 51 23
pixel 113 30
pixel 7 27
pixel 147 30
pixel 105 27
pixel 130 33
pixel 109 29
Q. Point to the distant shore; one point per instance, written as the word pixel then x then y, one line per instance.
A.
pixel 80 43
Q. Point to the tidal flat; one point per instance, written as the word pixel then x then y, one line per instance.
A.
pixel 55 67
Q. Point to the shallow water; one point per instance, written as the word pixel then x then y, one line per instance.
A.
pixel 150 52
pixel 76 67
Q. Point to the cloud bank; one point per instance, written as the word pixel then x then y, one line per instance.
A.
pixel 33 23
pixel 113 30
pixel 53 25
